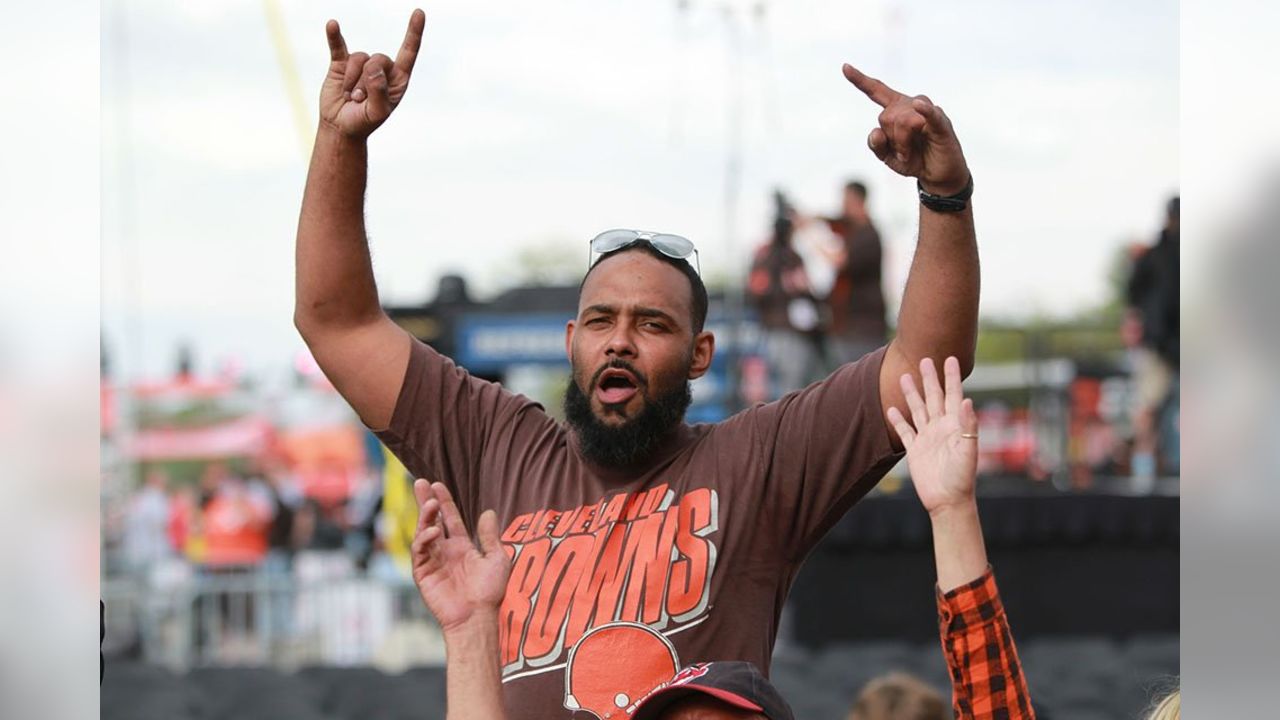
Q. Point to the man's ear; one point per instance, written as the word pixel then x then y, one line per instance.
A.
pixel 568 341
pixel 704 350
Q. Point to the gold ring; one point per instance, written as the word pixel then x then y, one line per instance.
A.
pixel 972 436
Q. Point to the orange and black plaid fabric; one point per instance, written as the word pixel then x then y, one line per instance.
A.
pixel 986 677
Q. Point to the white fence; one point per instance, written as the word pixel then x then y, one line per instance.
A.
pixel 320 611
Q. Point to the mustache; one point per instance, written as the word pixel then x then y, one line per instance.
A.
pixel 620 364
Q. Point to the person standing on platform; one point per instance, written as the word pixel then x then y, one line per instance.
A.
pixel 778 288
pixel 856 302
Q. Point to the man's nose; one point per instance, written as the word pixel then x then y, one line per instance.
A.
pixel 621 343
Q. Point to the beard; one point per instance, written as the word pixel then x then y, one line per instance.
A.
pixel 634 441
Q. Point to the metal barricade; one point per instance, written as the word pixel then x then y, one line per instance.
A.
pixel 319 612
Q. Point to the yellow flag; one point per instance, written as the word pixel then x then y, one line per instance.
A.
pixel 399 510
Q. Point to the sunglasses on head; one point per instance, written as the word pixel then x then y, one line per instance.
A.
pixel 673 246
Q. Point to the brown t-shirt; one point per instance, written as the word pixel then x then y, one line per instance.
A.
pixel 619 578
pixel 857 297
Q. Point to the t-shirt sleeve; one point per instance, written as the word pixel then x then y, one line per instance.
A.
pixel 817 451
pixel 445 419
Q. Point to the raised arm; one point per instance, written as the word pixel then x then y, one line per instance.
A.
pixel 942 454
pixel 462 585
pixel 939 312
pixel 362 352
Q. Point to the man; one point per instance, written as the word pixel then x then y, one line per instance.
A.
pixel 145 542
pixel 671 543
pixel 463 586
pixel 856 301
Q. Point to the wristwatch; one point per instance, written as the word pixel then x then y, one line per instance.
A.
pixel 946 203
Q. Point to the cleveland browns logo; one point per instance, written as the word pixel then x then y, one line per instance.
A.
pixel 642 558
pixel 615 665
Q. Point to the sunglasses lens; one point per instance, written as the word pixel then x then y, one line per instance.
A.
pixel 673 245
pixel 611 240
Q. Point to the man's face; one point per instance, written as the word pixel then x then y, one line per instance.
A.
pixel 632 346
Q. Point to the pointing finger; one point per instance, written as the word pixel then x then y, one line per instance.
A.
pixel 337 46
pixel 880 94
pixel 408 54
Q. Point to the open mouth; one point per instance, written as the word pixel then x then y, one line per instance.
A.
pixel 616 386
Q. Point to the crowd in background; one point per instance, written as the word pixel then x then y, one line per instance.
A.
pixel 816 287
pixel 232 519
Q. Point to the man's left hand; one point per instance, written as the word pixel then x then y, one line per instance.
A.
pixel 915 137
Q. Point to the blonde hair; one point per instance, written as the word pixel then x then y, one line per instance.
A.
pixel 1169 708
pixel 899 696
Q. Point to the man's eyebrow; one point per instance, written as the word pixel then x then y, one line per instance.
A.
pixel 655 313
pixel 645 312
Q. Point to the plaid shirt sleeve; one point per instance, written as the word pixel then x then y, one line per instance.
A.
pixel 986 677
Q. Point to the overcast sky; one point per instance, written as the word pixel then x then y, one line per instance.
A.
pixel 544 123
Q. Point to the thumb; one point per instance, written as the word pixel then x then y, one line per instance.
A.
pixel 487 532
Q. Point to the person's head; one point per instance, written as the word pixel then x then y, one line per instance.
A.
pixel 215 474
pixel 636 343
pixel 898 696
pixel 705 707
pixel 783 230
pixel 855 200
pixel 722 690
pixel 1172 211
pixel 1169 707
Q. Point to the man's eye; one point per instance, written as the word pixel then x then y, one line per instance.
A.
pixel 595 322
pixel 654 325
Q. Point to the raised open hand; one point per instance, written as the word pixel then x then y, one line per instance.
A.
pixel 457 580
pixel 915 137
pixel 360 90
pixel 942 448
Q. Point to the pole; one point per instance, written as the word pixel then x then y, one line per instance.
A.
pixel 732 190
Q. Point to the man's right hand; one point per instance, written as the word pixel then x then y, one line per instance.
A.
pixel 361 90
